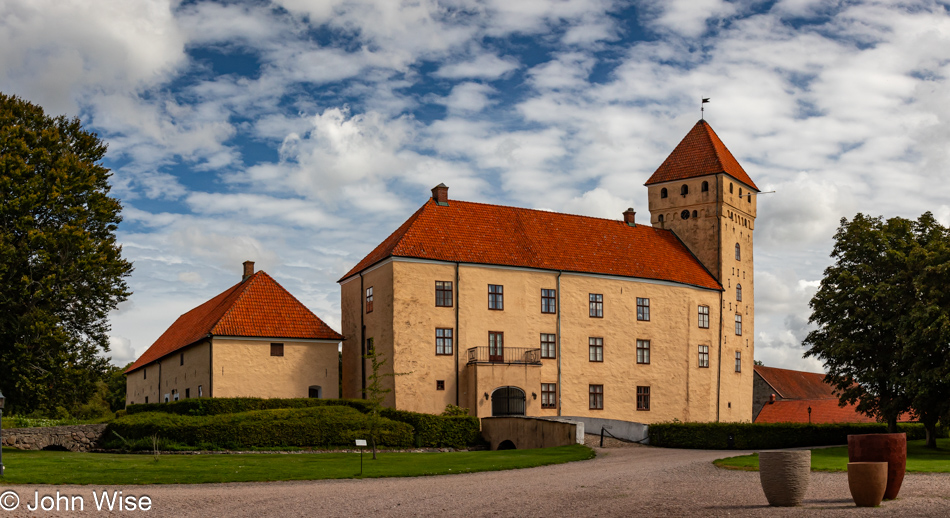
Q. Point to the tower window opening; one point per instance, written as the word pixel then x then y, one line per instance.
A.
pixel 660 218
pixel 684 190
pixel 738 254
pixel 705 187
pixel 730 188
pixel 739 292
pixel 663 193
pixel 740 193
pixel 695 213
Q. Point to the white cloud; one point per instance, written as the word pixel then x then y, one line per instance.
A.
pixel 483 66
pixel 467 98
pixel 54 50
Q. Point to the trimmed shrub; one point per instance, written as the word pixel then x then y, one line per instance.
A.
pixel 756 436
pixel 437 431
pixel 318 426
pixel 217 406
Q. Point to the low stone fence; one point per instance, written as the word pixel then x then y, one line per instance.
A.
pixel 624 430
pixel 524 433
pixel 82 437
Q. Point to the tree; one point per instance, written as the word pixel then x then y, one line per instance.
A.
pixel 61 270
pixel 375 394
pixel 926 326
pixel 858 310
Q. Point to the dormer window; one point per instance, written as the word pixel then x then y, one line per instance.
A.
pixel 663 193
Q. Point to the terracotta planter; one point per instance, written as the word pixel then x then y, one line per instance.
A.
pixel 882 447
pixel 784 476
pixel 867 481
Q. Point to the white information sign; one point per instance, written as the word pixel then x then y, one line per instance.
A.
pixel 361 442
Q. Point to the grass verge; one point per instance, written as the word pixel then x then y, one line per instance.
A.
pixel 919 459
pixel 47 467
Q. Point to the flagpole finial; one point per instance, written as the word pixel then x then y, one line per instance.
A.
pixel 703 101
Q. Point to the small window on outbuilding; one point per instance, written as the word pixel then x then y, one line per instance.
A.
pixel 276 349
pixel 663 193
pixel 440 384
pixel 705 187
pixel 315 391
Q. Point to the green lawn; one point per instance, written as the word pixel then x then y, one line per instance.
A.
pixel 49 467
pixel 919 459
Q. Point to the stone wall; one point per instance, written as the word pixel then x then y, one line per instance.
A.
pixel 531 432
pixel 74 438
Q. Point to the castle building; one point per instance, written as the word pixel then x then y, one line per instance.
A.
pixel 254 339
pixel 513 311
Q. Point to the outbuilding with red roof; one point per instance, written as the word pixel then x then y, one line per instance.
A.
pixel 254 339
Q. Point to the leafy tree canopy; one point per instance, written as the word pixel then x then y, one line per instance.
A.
pixel 882 317
pixel 61 270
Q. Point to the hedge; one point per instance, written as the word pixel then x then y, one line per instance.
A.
pixel 436 431
pixel 755 436
pixel 217 406
pixel 318 426
pixel 431 431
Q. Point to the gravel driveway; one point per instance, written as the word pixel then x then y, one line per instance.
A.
pixel 621 481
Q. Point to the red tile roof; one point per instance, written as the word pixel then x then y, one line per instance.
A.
pixel 700 153
pixel 789 384
pixel 822 411
pixel 492 234
pixel 256 307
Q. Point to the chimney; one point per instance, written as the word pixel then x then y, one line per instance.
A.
pixel 630 217
pixel 440 193
pixel 248 270
pixel 772 399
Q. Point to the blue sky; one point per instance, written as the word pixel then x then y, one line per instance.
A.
pixel 299 134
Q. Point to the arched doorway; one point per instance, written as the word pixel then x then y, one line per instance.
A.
pixel 507 401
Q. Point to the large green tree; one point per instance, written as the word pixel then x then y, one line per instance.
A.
pixel 883 319
pixel 61 270
pixel 858 310
pixel 925 328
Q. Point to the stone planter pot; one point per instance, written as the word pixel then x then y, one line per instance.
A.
pixel 867 482
pixel 784 476
pixel 882 447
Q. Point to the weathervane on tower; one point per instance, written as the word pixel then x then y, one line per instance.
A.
pixel 704 101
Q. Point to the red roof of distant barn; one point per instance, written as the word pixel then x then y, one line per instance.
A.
pixel 700 153
pixel 789 384
pixel 256 307
pixel 822 411
pixel 492 234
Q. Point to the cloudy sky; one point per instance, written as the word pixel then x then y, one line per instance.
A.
pixel 300 133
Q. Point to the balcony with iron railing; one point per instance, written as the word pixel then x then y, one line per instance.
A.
pixel 520 355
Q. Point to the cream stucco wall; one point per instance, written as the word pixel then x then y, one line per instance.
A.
pixel 724 219
pixel 170 374
pixel 680 389
pixel 245 368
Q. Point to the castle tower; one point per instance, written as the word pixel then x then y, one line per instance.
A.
pixel 703 195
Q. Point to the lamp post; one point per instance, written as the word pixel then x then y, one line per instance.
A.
pixel 2 399
pixel 809 415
